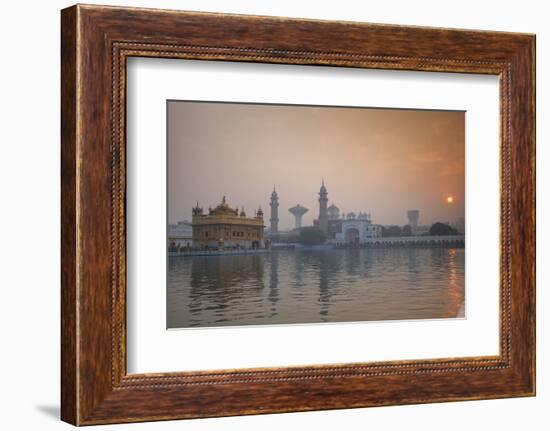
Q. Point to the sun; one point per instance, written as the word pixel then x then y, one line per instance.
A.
pixel 449 199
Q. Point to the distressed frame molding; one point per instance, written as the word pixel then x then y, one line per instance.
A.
pixel 96 42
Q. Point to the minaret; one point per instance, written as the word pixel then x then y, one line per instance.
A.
pixel 274 219
pixel 323 214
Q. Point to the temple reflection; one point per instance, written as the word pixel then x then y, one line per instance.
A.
pixel 273 282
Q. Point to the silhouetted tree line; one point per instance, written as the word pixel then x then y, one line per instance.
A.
pixel 437 228
pixel 311 235
pixel 442 229
pixel 393 230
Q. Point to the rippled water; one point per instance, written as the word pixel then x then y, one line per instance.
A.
pixel 315 286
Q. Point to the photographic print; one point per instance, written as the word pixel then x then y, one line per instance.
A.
pixel 295 214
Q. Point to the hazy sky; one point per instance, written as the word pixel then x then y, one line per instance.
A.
pixel 381 161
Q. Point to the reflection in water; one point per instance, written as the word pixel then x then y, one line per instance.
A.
pixel 315 286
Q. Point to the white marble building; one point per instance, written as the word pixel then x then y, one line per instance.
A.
pixel 356 229
pixel 180 234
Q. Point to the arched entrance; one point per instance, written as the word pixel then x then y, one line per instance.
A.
pixel 352 236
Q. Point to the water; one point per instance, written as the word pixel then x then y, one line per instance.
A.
pixel 315 286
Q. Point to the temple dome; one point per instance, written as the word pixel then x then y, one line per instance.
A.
pixel 223 209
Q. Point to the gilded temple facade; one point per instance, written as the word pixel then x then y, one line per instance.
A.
pixel 226 227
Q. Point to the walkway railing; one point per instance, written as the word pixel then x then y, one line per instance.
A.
pixel 429 240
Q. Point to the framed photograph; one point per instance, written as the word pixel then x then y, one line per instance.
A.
pixel 263 214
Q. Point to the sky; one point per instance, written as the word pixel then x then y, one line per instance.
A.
pixel 382 161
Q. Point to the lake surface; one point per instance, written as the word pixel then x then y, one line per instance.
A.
pixel 288 286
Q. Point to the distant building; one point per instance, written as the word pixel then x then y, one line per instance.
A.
pixel 333 212
pixel 329 217
pixel 339 229
pixel 225 227
pixel 298 212
pixel 348 228
pixel 274 219
pixel 356 228
pixel 412 216
pixel 334 223
pixel 323 210
pixel 180 235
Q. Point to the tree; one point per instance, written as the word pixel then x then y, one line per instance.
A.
pixel 439 228
pixel 311 235
pixel 391 231
pixel 406 231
